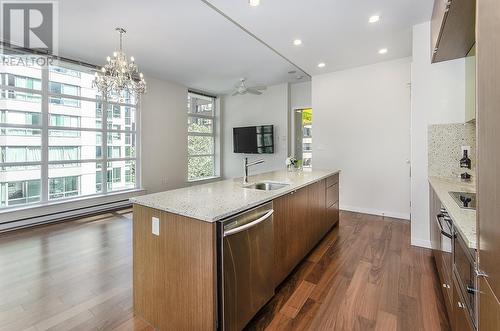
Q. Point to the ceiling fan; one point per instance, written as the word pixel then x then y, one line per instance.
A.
pixel 242 89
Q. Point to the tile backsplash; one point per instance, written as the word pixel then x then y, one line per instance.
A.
pixel 444 148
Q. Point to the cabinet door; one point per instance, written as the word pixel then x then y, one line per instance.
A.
pixel 438 15
pixel 290 227
pixel 332 201
pixel 488 160
pixel 456 23
pixel 316 213
pixel 333 215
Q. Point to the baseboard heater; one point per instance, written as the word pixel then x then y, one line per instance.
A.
pixel 63 215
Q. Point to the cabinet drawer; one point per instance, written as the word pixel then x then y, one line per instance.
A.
pixel 333 214
pixel 332 180
pixel 465 276
pixel 332 195
pixel 461 320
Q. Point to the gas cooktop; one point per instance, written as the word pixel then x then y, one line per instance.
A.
pixel 464 200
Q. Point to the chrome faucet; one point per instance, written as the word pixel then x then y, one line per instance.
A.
pixel 249 164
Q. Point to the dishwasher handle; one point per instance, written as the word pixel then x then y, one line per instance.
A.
pixel 249 225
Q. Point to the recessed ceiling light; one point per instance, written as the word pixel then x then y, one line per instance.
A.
pixel 382 51
pixel 297 42
pixel 321 65
pixel 254 3
pixel 374 19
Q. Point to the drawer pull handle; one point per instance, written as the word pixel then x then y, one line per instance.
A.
pixel 460 305
pixel 471 290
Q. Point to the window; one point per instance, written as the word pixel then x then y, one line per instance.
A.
pixel 64 153
pixel 65 71
pixel 10 80
pixel 64 187
pixel 69 155
pixel 307 138
pixel 114 176
pixel 19 193
pixel 201 137
pixel 114 152
pixel 17 154
pixel 58 88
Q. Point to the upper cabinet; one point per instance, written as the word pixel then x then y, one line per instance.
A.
pixel 453 29
pixel 470 85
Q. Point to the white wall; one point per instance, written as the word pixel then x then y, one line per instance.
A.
pixel 300 95
pixel 245 110
pixel 164 136
pixel 361 124
pixel 438 96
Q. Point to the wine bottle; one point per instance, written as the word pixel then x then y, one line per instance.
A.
pixel 465 162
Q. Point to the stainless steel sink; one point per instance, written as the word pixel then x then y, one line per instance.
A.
pixel 266 186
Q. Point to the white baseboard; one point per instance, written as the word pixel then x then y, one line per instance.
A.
pixel 404 216
pixel 421 243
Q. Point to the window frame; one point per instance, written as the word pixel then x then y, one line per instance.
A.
pixel 215 136
pixel 45 95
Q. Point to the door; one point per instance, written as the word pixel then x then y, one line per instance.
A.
pixel 301 137
pixel 488 163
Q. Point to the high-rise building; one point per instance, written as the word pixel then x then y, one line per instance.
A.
pixel 52 136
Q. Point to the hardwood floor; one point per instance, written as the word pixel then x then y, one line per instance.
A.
pixel 364 275
pixel 78 276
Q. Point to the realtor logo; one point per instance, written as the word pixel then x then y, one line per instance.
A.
pixel 29 24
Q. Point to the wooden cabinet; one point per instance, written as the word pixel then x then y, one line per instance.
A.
pixel 290 225
pixel 332 214
pixel 460 318
pixel 470 85
pixel 442 256
pixel 452 29
pixel 332 200
pixel 176 276
pixel 317 214
pixel 301 219
pixel 488 160
pixel 174 273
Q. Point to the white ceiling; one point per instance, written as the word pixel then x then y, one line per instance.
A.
pixel 336 32
pixel 178 40
pixel 188 42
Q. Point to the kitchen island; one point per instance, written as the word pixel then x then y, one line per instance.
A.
pixel 177 274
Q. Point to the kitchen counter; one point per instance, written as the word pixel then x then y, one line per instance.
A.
pixel 463 219
pixel 215 201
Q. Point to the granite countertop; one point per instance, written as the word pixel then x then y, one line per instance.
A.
pixel 215 201
pixel 463 219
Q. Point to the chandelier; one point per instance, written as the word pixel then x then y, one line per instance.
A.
pixel 119 75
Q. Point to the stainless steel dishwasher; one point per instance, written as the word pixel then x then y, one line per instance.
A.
pixel 247 260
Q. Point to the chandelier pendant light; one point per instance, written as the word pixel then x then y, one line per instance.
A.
pixel 120 75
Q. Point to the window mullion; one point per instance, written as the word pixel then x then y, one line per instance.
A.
pixel 104 168
pixel 45 136
pixel 138 149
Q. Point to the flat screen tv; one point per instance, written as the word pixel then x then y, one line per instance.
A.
pixel 254 139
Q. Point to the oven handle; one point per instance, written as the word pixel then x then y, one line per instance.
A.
pixel 444 233
pixel 249 225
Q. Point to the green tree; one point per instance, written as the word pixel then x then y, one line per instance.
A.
pixel 200 166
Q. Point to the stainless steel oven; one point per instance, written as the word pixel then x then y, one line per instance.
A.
pixel 445 225
pixel 247 259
